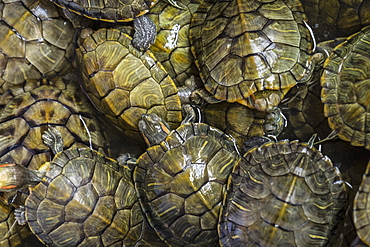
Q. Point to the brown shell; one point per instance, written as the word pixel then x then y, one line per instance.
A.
pixel 180 183
pixel 124 83
pixel 345 94
pixel 247 46
pixel 282 194
pixel 38 43
pixel 85 199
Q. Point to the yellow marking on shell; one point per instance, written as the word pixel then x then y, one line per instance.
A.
pixel 240 206
pixel 317 237
pixel 46 56
pixel 253 179
pixel 226 165
pixel 166 211
pixel 323 207
pixel 288 58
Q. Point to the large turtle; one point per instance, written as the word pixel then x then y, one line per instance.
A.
pixel 252 51
pixel 34 43
pixel 124 83
pixel 282 194
pixel 80 198
pixel 118 11
pixel 345 93
pixel 181 177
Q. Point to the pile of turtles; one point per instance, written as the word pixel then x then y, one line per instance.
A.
pixel 184 123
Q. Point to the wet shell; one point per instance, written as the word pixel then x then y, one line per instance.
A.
pixel 180 183
pixel 281 194
pixel 34 43
pixel 85 199
pixel 345 93
pixel 124 83
pixel 244 47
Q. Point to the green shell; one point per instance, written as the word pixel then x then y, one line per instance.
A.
pixel 85 199
pixel 345 94
pixel 281 194
pixel 249 46
pixel 124 83
pixel 172 45
pixel 11 233
pixel 110 11
pixel 28 110
pixel 38 43
pixel 361 208
pixel 180 183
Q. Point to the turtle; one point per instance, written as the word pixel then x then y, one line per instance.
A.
pixel 284 193
pixel 361 208
pixel 118 12
pixel 181 177
pixel 80 198
pixel 35 43
pixel 27 110
pixel 124 83
pixel 242 122
pixel 252 52
pixel 345 82
pixel 172 45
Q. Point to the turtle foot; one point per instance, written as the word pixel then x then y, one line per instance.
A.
pixel 53 139
pixel 19 214
pixel 145 33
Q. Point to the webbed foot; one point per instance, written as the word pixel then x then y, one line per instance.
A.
pixel 53 139
pixel 145 33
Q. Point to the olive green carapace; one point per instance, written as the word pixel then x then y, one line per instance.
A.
pixel 361 208
pixel 243 48
pixel 34 43
pixel 181 181
pixel 282 194
pixel 124 83
pixel 28 109
pixel 345 94
pixel 85 199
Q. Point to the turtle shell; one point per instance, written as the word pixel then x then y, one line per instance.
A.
pixel 239 121
pixel 27 111
pixel 85 199
pixel 124 83
pixel 110 11
pixel 180 183
pixel 248 46
pixel 38 43
pixel 281 194
pixel 345 93
pixel 361 208
pixel 172 44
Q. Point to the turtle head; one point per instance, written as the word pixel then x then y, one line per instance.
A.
pixel 14 177
pixel 153 128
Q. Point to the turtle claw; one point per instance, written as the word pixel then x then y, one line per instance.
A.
pixel 19 214
pixel 53 139
pixel 145 33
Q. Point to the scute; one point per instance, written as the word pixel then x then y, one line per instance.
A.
pixel 283 201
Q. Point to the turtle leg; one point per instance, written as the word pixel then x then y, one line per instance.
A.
pixel 53 139
pixel 19 214
pixel 145 33
pixel 127 160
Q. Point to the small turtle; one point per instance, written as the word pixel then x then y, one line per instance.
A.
pixel 282 194
pixel 37 41
pixel 124 83
pixel 118 11
pixel 252 51
pixel 181 177
pixel 80 198
pixel 345 91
